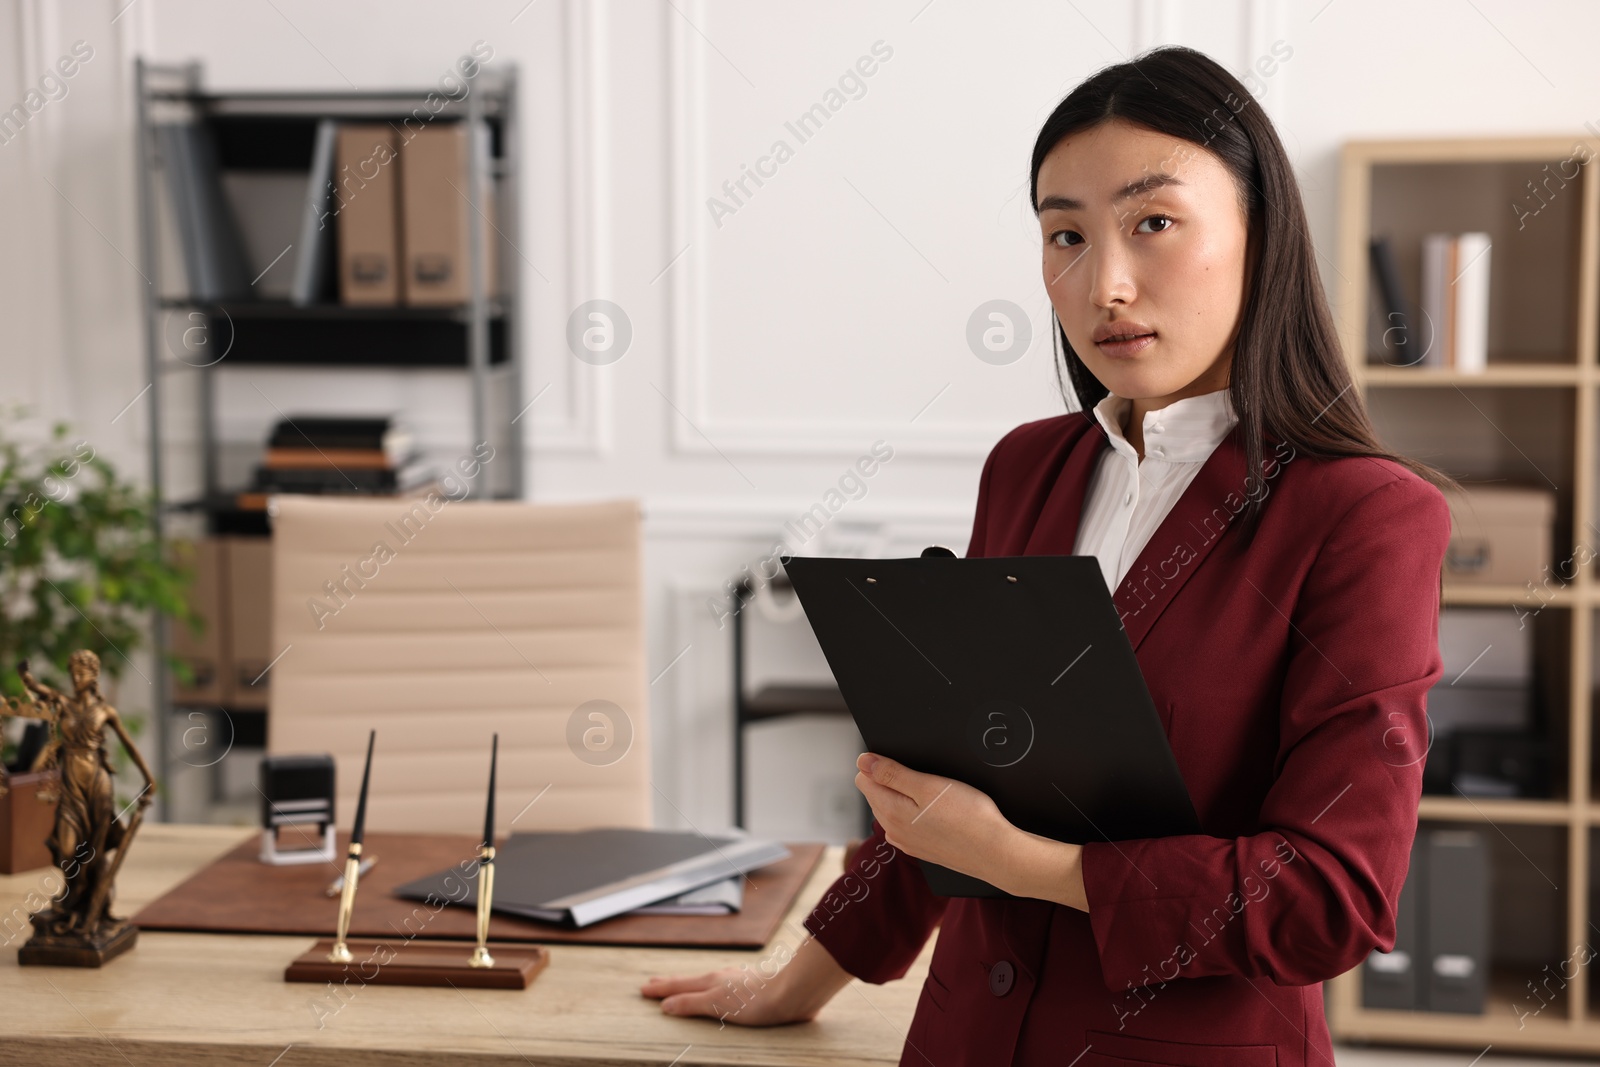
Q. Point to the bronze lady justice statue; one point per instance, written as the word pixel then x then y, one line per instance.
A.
pixel 77 928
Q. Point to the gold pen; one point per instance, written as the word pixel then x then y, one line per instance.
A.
pixel 480 954
pixel 352 865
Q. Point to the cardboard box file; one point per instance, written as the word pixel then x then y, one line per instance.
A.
pixel 246 683
pixel 26 823
pixel 1500 535
pixel 437 212
pixel 1485 646
pixel 366 184
pixel 203 654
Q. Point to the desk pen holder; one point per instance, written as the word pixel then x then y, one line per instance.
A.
pixel 413 962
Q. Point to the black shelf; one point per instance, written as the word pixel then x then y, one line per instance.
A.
pixel 334 335
pixel 778 701
pixel 772 702
pixel 282 309
pixel 223 515
pixel 286 142
pixel 397 104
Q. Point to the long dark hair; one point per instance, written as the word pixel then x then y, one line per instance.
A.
pixel 1289 379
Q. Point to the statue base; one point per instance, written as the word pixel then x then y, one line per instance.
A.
pixel 47 949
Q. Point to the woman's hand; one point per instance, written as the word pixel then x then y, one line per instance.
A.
pixel 935 819
pixel 743 995
pixel 956 826
pixel 732 994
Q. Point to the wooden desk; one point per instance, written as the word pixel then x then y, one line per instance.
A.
pixel 212 999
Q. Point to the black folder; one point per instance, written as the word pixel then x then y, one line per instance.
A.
pixel 1455 921
pixel 1011 674
pixel 580 877
pixel 1394 979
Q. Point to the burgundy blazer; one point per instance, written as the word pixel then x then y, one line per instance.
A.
pixel 1292 681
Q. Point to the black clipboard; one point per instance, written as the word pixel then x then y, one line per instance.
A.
pixel 1011 674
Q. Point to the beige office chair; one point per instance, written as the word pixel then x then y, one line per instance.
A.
pixel 438 627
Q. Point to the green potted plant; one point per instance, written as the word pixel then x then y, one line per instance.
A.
pixel 81 566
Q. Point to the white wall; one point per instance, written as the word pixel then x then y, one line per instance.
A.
pixel 772 345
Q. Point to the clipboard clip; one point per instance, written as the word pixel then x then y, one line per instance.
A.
pixel 940 550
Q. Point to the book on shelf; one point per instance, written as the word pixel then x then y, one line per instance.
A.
pixel 1472 301
pixel 326 480
pixel 1437 311
pixel 1455 300
pixel 413 474
pixel 340 455
pixel 317 458
pixel 415 479
pixel 209 237
pixel 1400 346
pixel 382 433
pixel 313 266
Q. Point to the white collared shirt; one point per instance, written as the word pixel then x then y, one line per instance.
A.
pixel 1128 499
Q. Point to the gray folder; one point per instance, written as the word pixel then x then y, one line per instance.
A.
pixel 1456 922
pixel 1389 979
pixel 580 877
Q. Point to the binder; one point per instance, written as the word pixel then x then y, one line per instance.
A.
pixel 1472 302
pixel 316 223
pixel 719 898
pixel 1389 979
pixel 1457 922
pixel 1438 307
pixel 203 653
pixel 437 213
pixel 577 878
pixel 1396 337
pixel 365 185
pixel 213 249
pixel 1011 674
pixel 249 582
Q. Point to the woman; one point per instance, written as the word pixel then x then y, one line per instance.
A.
pixel 1286 622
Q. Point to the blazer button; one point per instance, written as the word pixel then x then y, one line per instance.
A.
pixel 1000 978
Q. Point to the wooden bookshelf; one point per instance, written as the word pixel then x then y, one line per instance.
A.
pixel 1530 415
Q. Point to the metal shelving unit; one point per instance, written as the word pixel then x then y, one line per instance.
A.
pixel 273 130
pixel 772 702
